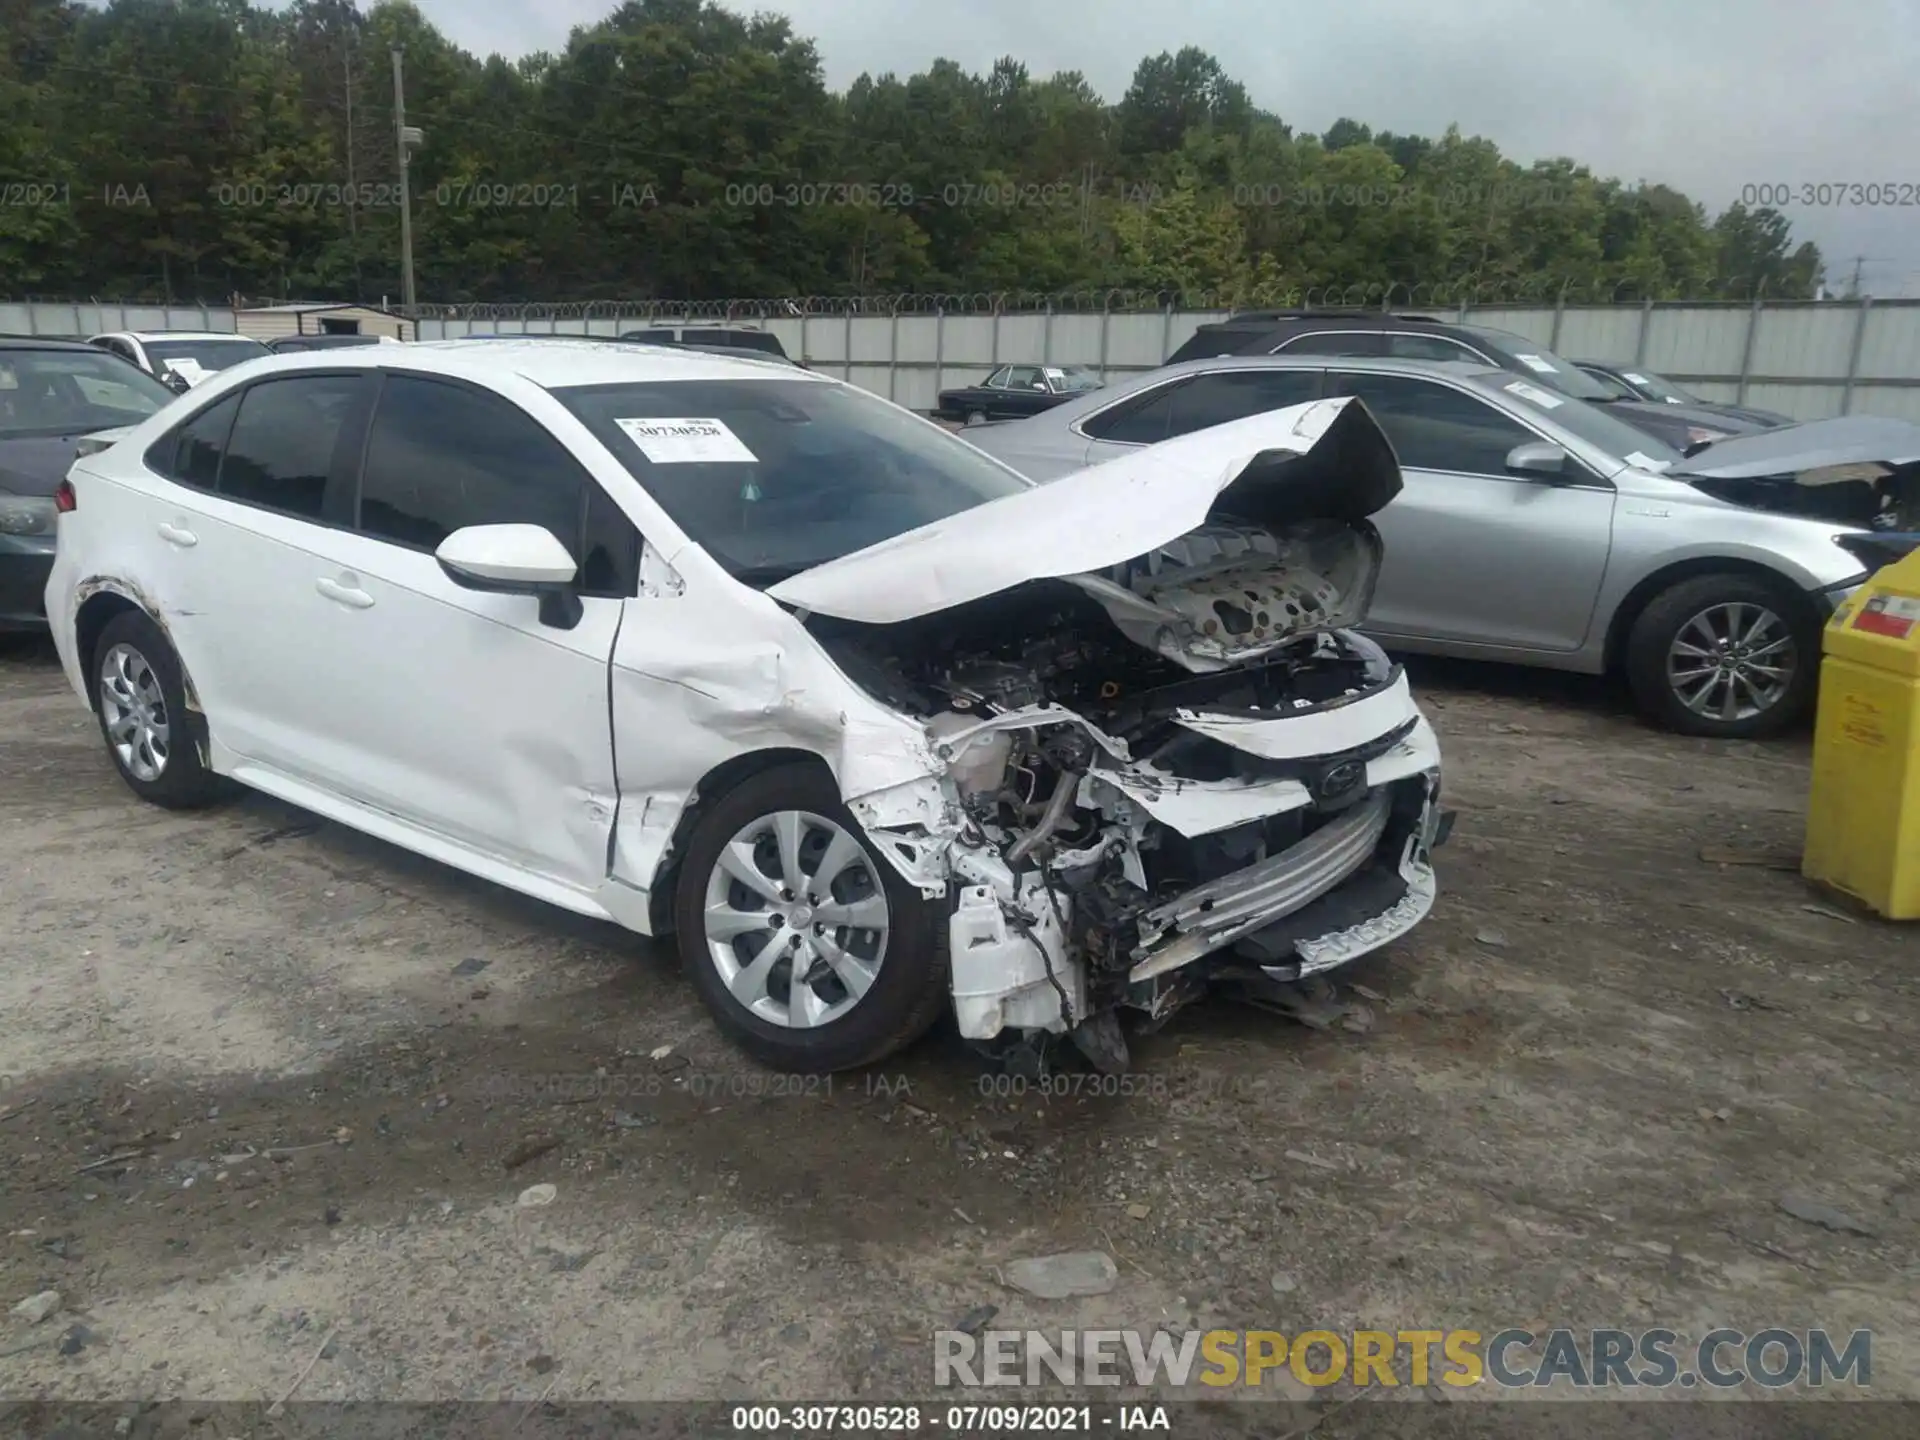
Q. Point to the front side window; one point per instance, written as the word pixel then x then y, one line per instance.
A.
pixel 1658 387
pixel 67 392
pixel 1616 389
pixel 775 476
pixel 1074 379
pixel 1435 427
pixel 282 446
pixel 1235 394
pixel 1539 364
pixel 1026 377
pixel 441 457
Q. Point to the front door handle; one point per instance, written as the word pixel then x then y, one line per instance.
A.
pixel 343 592
pixel 178 535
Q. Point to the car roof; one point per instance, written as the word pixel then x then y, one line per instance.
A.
pixel 1267 319
pixel 41 342
pixel 1386 364
pixel 699 325
pixel 552 362
pixel 183 335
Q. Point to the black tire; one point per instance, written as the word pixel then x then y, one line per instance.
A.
pixel 183 781
pixel 911 985
pixel 1659 625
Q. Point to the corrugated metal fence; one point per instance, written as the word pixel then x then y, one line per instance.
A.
pixel 1806 359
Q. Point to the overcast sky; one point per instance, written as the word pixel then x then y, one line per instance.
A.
pixel 1706 95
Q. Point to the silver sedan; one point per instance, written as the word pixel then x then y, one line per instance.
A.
pixel 1537 529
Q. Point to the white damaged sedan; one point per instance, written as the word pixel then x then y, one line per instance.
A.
pixel 717 648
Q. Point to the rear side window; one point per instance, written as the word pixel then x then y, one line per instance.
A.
pixel 1334 342
pixel 441 457
pixel 282 445
pixel 191 454
pixel 738 340
pixel 1143 420
pixel 1432 347
pixel 1208 343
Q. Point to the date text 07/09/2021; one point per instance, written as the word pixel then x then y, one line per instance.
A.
pixel 803 1420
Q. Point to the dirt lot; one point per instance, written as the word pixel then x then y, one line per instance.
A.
pixel 1590 1079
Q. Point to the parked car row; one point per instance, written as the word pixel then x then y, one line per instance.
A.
pixel 1540 528
pixel 911 699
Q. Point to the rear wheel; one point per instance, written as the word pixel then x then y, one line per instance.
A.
pixel 141 702
pixel 1727 655
pixel 812 952
pixel 976 417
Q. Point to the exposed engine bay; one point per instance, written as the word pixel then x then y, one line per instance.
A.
pixel 1872 496
pixel 1186 758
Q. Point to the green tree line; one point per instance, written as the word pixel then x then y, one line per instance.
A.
pixel 196 149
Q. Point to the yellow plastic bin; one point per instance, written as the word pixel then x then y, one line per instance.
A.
pixel 1863 817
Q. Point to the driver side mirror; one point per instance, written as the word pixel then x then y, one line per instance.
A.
pixel 515 560
pixel 176 382
pixel 1541 459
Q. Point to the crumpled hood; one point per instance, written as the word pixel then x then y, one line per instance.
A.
pixel 1820 452
pixel 1326 460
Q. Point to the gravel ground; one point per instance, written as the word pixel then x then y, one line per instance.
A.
pixel 332 1067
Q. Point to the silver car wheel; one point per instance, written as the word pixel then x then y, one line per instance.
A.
pixel 796 919
pixel 135 711
pixel 1733 661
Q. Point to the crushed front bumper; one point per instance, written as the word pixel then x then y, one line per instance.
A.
pixel 1359 881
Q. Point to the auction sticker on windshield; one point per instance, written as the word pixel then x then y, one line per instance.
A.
pixel 1545 399
pixel 1534 362
pixel 687 441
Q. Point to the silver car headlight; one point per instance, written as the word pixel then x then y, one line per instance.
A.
pixel 26 514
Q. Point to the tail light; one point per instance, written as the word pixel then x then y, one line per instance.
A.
pixel 64 500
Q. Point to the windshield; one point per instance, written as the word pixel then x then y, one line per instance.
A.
pixel 206 354
pixel 773 477
pixel 1073 379
pixel 1588 422
pixel 70 392
pixel 1658 387
pixel 1521 355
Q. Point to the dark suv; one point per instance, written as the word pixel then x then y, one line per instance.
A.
pixel 714 337
pixel 1424 337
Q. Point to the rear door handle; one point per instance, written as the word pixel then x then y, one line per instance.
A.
pixel 178 535
pixel 344 593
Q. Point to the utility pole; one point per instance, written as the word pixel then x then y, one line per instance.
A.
pixel 353 205
pixel 405 137
pixel 1858 261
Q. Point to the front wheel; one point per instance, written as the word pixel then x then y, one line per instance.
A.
pixel 1727 655
pixel 812 952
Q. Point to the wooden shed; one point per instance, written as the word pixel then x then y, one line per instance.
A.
pixel 321 317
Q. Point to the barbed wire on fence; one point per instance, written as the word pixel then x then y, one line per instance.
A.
pixel 1462 294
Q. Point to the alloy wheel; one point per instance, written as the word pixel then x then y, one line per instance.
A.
pixel 1733 661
